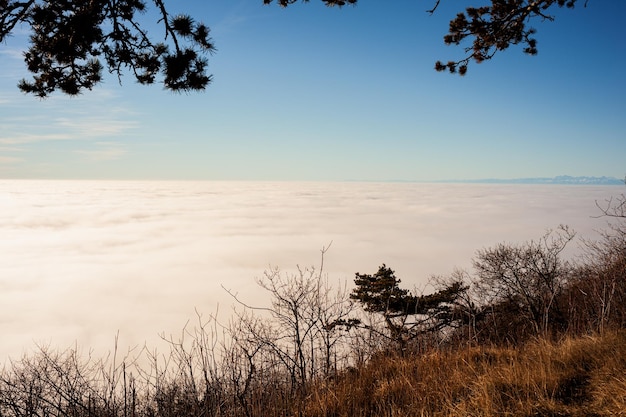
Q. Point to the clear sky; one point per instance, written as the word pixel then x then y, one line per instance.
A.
pixel 317 93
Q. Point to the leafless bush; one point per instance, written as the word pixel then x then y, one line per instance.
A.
pixel 526 279
pixel 61 383
pixel 299 336
pixel 598 295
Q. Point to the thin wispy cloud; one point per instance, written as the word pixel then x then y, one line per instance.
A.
pixel 12 53
pixel 10 149
pixel 93 123
pixel 89 127
pixel 69 129
pixel 104 151
pixel 237 16
pixel 12 63
pixel 32 138
pixel 8 98
pixel 5 160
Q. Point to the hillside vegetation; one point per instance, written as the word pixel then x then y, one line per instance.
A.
pixel 525 333
pixel 576 376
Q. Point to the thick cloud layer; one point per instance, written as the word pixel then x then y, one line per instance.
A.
pixel 81 260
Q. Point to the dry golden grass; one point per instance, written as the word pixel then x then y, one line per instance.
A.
pixel 582 376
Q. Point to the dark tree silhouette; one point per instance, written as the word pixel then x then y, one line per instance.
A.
pixel 495 27
pixel 407 316
pixel 70 39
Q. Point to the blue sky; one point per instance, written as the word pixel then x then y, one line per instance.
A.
pixel 317 93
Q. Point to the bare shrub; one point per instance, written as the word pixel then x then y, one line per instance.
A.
pixel 526 279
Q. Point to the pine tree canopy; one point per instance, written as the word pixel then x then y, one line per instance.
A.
pixel 71 42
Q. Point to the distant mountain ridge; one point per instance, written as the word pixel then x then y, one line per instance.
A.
pixel 561 179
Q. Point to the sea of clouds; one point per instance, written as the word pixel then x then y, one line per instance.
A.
pixel 81 261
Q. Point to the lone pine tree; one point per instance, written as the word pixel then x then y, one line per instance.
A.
pixel 407 316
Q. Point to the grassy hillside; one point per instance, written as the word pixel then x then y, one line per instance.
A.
pixel 581 376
